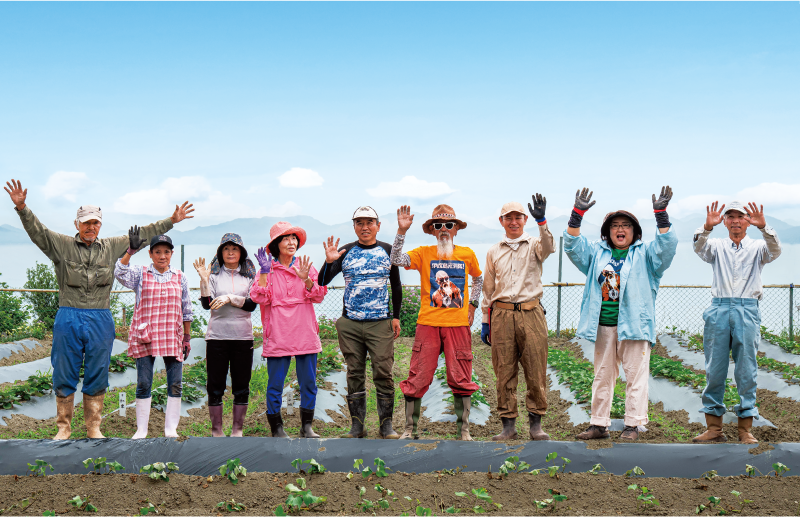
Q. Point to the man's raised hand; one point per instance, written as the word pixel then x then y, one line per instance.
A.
pixel 182 212
pixel 663 200
pixel 18 195
pixel 713 215
pixel 539 204
pixel 583 199
pixel 755 216
pixel 404 219
pixel 332 252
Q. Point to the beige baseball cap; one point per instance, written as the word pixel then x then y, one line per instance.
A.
pixel 89 212
pixel 512 206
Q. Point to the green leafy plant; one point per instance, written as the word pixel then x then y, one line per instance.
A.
pixel 751 470
pixel 82 504
pixel 710 474
pixel 579 376
pixel 159 470
pixel 314 466
pixel 553 470
pixel 644 496
pixel 98 464
pixel 18 506
pixel 380 468
pixel 232 469
pixel 740 501
pixel 231 506
pixel 713 502
pixel 49 513
pixel 556 497
pixel 779 469
pixel 598 468
pixel 635 471
pixel 513 464
pixel 39 468
pixel 301 497
pixel 783 342
pixel 12 313
pixel 121 362
pixel 327 328
pixel 483 496
pixel 150 507
pixel 44 304
pixel 421 510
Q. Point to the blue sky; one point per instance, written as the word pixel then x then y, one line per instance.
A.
pixel 254 109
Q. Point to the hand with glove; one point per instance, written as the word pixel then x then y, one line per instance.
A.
pixel 583 202
pixel 537 210
pixel 219 301
pixel 135 241
pixel 187 347
pixel 660 208
pixel 486 333
pixel 205 274
pixel 264 260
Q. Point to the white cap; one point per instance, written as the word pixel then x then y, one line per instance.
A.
pixel 734 205
pixel 366 211
pixel 89 212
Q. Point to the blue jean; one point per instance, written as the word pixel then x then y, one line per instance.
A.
pixel 732 328
pixel 278 367
pixel 81 337
pixel 144 376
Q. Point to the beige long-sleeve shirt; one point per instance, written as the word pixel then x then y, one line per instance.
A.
pixel 515 276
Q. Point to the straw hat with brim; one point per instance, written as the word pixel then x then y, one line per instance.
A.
pixel 637 228
pixel 442 214
pixel 282 228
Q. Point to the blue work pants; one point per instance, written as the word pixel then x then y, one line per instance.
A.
pixel 732 328
pixel 278 367
pixel 81 337
pixel 144 376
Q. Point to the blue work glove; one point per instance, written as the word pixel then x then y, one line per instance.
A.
pixel 264 260
pixel 486 333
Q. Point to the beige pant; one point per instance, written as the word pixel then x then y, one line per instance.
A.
pixel 635 359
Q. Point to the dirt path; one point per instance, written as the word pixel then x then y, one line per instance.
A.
pixel 261 493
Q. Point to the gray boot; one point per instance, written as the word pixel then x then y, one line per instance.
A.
pixel 385 413
pixel 357 404
pixel 412 417
pixel 462 405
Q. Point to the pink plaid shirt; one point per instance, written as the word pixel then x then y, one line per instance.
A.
pixel 160 308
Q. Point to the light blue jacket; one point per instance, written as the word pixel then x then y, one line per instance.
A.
pixel 640 277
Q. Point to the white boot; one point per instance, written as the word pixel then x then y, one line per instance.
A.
pixel 172 416
pixel 142 418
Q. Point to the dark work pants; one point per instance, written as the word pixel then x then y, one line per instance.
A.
pixel 221 353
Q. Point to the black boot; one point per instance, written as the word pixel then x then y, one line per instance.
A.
pixel 509 430
pixel 276 425
pixel 357 404
pixel 306 417
pixel 535 431
pixel 385 413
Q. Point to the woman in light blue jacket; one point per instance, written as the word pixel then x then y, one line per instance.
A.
pixel 618 310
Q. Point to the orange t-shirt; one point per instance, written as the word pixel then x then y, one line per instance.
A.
pixel 446 305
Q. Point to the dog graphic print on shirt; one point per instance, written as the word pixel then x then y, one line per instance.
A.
pixel 447 283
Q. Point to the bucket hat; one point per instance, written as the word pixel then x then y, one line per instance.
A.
pixel 282 228
pixel 442 214
pixel 249 270
pixel 605 228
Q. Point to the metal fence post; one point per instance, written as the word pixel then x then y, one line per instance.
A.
pixel 181 257
pixel 791 313
pixel 558 307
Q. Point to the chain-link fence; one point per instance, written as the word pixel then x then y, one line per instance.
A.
pixel 676 306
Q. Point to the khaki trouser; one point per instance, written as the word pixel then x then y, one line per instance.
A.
pixel 520 337
pixel 356 338
pixel 635 359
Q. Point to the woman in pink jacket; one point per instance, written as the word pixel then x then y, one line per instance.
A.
pixel 286 289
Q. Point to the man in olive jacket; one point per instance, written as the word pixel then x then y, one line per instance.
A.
pixel 84 332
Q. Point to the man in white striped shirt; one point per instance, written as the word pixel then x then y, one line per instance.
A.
pixel 733 322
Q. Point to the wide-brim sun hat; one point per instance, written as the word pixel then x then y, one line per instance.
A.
pixel 605 228
pixel 442 214
pixel 282 228
pixel 232 238
pixel 249 269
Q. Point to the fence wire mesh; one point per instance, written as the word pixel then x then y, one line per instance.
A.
pixel 676 306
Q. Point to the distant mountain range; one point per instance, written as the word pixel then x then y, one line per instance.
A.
pixel 255 231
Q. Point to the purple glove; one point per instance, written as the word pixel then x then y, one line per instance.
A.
pixel 264 260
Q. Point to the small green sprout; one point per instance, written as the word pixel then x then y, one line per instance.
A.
pixel 635 471
pixel 231 506
pixel 39 468
pixel 779 468
pixel 82 504
pixel 232 469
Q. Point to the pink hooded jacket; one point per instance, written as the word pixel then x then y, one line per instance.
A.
pixel 287 314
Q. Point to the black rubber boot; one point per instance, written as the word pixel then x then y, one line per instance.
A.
pixel 276 426
pixel 385 413
pixel 509 430
pixel 357 404
pixel 535 431
pixel 306 417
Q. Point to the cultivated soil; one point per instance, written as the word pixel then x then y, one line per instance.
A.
pixel 261 493
pixel 29 354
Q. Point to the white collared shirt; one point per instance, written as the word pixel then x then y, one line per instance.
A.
pixel 737 269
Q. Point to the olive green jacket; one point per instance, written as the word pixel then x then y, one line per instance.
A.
pixel 85 274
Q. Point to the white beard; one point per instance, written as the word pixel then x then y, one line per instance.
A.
pixel 447 289
pixel 444 247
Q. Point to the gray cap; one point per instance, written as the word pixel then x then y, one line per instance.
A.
pixel 734 205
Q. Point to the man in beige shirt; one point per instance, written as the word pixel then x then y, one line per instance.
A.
pixel 514 324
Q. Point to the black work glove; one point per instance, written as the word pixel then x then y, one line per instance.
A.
pixel 537 210
pixel 134 240
pixel 660 207
pixel 583 202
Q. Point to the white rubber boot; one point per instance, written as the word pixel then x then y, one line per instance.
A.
pixel 172 416
pixel 142 418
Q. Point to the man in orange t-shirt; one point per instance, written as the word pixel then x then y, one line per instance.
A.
pixel 444 320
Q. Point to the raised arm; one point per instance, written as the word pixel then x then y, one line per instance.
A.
pixel 260 292
pixel 543 245
pixel 772 245
pixel 702 247
pixel 583 203
pixel 333 261
pixel 404 220
pixel 51 243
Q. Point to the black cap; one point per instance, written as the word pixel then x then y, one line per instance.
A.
pixel 161 239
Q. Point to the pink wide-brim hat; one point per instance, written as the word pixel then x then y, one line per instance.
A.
pixel 282 228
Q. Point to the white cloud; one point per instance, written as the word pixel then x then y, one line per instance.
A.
pixel 771 194
pixel 410 187
pixel 65 184
pixel 287 209
pixel 297 177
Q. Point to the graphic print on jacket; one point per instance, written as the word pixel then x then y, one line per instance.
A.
pixel 366 277
pixel 448 277
pixel 611 285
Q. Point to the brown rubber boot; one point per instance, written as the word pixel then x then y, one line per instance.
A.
pixel 357 404
pixel 595 432
pixel 93 414
pixel 65 407
pixel 536 427
pixel 306 418
pixel 385 413
pixel 215 413
pixel 412 417
pixel 630 433
pixel 509 431
pixel 745 424
pixel 461 407
pixel 239 412
pixel 714 432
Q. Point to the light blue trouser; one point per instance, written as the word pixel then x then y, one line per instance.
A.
pixel 732 328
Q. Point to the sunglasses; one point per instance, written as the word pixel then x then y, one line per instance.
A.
pixel 439 226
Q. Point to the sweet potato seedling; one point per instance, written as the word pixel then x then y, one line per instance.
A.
pixel 98 464
pixel 231 506
pixel 512 464
pixel 314 466
pixel 751 470
pixel 644 497
pixel 82 504
pixel 159 470
pixel 635 471
pixel 299 498
pixel 779 468
pixel 39 468
pixel 555 468
pixel 232 469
